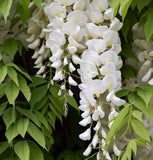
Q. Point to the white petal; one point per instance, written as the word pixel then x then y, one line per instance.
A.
pixel 85 121
pixel 41 70
pixel 71 67
pixel 116 150
pixel 95 141
pixel 70 93
pixel 87 151
pixel 76 59
pixel 34 44
pixel 85 135
pixel 150 82
pixel 65 62
pixel 97 127
pixel 147 76
pixel 95 115
pixel 71 81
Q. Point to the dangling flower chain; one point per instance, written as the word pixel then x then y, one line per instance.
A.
pixel 85 33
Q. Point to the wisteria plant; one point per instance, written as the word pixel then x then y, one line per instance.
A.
pixel 76 79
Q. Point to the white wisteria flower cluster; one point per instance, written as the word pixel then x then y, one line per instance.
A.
pixel 145 54
pixel 100 75
pixel 82 33
pixel 37 39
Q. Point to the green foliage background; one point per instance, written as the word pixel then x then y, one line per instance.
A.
pixel 32 119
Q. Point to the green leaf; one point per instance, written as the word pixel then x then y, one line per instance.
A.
pixel 133 146
pixel 25 4
pixel 13 75
pixel 118 123
pixel 57 103
pixel 29 114
pixel 22 126
pixel 36 81
pixel 137 114
pixel 115 6
pixel 38 2
pixel 2 88
pixel 140 129
pixel 9 116
pixel 56 112
pixel 35 152
pixel 11 91
pixel 140 104
pixel 24 87
pixel 11 132
pixel 125 6
pixel 22 150
pixel 148 27
pixel 3 146
pixel 145 92
pixel 10 47
pixel 3 74
pixel 5 6
pixel 52 118
pixel 2 107
pixel 38 93
pixel 122 93
pixel 42 119
pixel 18 69
pixel 72 102
pixel 142 4
pixel 36 134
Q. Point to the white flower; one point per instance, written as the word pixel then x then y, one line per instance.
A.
pixel 103 133
pixel 116 25
pixel 108 15
pixel 69 28
pixel 85 121
pixel 76 59
pixel 96 87
pixel 39 60
pixel 95 16
pixel 147 75
pixel 70 93
pixel 116 150
pixel 84 107
pixel 79 5
pixel 106 154
pixel 116 48
pixel 108 68
pixel 34 44
pixel 97 45
pixel 71 67
pixel 71 81
pixel 74 43
pixel 150 82
pixel 59 93
pixel 94 141
pixel 58 37
pixel 78 33
pixel 78 17
pixel 110 82
pixel 85 135
pixel 31 38
pixel 41 70
pixel 58 74
pixel 65 62
pixel 56 10
pixel 66 2
pixel 109 56
pixel 35 55
pixel 93 30
pixel 87 151
pixel 56 23
pixel 117 101
pixel 111 37
pixel 88 68
pixel 91 56
pixel 56 64
pixel 97 127
pixel 102 5
pixel 63 87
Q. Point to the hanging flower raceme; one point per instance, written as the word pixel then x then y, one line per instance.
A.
pixel 100 76
pixel 37 23
pixel 145 54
